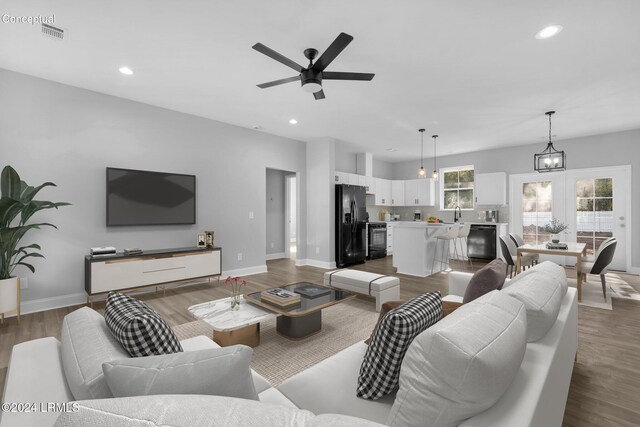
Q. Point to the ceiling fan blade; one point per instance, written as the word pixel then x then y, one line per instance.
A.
pixel 277 56
pixel 278 82
pixel 332 51
pixel 337 75
pixel 319 95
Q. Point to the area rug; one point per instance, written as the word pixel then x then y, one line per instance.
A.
pixel 617 287
pixel 277 358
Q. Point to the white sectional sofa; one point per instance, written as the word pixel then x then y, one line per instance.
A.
pixel 535 396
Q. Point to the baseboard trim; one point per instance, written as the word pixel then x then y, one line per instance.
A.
pixel 316 263
pixel 44 304
pixel 248 271
pixel 279 255
pixel 634 270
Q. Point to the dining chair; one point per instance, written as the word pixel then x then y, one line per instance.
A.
pixel 601 263
pixel 509 252
pixel 519 241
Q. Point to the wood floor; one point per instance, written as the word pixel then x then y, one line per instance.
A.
pixel 605 388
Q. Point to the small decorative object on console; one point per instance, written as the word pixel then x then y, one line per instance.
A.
pixel 555 227
pixel 201 241
pixel 133 251
pixel 210 240
pixel 104 250
pixel 280 297
pixel 236 284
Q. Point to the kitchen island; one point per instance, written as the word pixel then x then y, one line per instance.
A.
pixel 414 244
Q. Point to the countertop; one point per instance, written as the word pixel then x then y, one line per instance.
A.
pixel 445 223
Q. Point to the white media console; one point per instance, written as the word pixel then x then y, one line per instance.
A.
pixel 119 272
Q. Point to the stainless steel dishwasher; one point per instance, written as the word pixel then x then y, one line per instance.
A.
pixel 482 241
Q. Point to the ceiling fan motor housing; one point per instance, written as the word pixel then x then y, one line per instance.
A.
pixel 311 80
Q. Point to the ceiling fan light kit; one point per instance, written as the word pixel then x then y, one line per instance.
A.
pixel 311 77
pixel 550 159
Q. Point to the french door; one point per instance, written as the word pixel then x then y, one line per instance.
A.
pixel 594 203
pixel 598 201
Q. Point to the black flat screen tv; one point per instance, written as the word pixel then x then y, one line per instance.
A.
pixel 137 197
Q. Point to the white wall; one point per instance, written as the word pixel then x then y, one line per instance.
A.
pixel 275 211
pixel 320 204
pixel 54 132
pixel 612 149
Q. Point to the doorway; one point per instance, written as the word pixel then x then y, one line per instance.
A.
pixel 291 223
pixel 281 214
pixel 594 203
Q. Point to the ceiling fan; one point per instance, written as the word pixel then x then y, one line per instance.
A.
pixel 312 76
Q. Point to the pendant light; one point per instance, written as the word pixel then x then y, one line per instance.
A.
pixel 434 175
pixel 421 172
pixel 550 159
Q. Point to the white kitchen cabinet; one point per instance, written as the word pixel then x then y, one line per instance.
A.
pixel 353 179
pixel 490 188
pixel 389 238
pixel 383 192
pixel 397 193
pixel 419 192
pixel 370 184
pixel 341 177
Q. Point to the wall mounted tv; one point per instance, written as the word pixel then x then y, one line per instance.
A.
pixel 137 197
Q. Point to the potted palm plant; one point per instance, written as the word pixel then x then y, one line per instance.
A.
pixel 17 206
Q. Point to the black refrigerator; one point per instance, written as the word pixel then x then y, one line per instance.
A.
pixel 351 224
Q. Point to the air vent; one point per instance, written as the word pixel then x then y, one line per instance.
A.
pixel 53 32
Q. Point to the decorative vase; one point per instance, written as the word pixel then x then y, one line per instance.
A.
pixel 235 301
pixel 10 296
pixel 554 238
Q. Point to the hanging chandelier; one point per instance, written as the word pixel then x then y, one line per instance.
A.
pixel 434 175
pixel 550 159
pixel 421 172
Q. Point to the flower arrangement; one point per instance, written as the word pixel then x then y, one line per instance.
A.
pixel 236 284
pixel 555 226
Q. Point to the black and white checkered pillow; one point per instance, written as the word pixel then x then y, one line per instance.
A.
pixel 380 370
pixel 140 330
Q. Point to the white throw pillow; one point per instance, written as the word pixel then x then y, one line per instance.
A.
pixel 555 272
pixel 86 344
pixel 542 296
pixel 463 364
pixel 218 371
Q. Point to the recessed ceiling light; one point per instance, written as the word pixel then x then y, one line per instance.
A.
pixel 293 122
pixel 548 32
pixel 126 71
pixel 392 149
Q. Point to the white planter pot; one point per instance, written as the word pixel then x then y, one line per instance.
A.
pixel 10 297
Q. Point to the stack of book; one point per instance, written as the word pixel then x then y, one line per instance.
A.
pixel 280 297
pixel 105 250
pixel 133 251
pixel 562 246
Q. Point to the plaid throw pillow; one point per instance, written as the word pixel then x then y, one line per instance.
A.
pixel 140 330
pixel 380 370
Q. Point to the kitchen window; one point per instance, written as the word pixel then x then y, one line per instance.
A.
pixel 457 188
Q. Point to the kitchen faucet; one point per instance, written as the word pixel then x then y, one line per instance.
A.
pixel 457 214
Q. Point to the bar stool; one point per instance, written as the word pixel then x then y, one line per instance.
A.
pixel 463 235
pixel 447 237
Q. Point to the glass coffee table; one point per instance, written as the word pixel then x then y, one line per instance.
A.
pixel 304 319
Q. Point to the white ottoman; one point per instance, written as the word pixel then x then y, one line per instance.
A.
pixel 383 288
